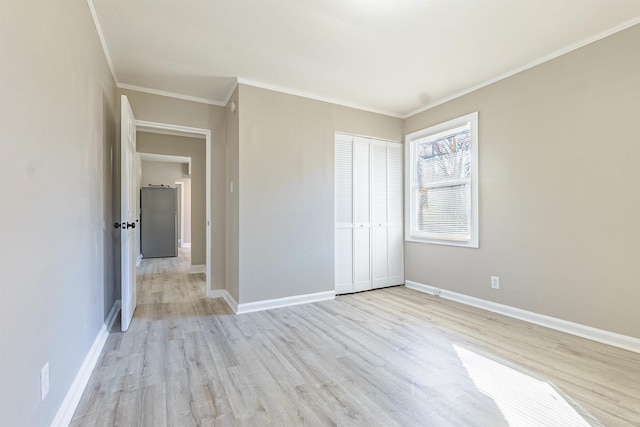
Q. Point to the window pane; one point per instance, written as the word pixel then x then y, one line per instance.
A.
pixel 444 159
pixel 443 211
pixel 442 183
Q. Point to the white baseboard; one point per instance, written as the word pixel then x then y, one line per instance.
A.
pixel 71 400
pixel 113 314
pixel 138 260
pixel 223 293
pixel 201 268
pixel 611 338
pixel 284 302
pixel 186 245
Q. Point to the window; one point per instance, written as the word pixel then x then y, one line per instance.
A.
pixel 442 183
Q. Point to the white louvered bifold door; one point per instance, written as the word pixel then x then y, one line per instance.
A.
pixel 344 215
pixel 379 213
pixel 395 234
pixel 386 196
pixel 362 214
pixel 369 237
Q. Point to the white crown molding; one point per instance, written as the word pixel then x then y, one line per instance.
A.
pixel 72 398
pixel 200 268
pixel 107 55
pixel 313 96
pixel 285 302
pixel 610 338
pixel 171 94
pixel 541 60
pixel 230 94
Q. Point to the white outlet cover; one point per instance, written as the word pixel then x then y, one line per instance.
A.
pixel 495 282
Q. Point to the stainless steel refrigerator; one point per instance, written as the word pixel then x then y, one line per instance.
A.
pixel 158 218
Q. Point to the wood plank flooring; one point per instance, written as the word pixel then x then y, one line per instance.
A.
pixel 391 357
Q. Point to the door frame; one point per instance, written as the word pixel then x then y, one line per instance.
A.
pixel 179 130
pixel 181 204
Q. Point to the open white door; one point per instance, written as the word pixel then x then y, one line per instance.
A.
pixel 128 211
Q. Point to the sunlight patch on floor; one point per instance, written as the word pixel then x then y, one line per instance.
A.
pixel 523 399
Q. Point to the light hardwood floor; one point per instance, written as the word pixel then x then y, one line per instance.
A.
pixel 391 357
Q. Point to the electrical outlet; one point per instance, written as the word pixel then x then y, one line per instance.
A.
pixel 495 282
pixel 44 381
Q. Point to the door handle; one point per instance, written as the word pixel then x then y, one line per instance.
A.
pixel 124 225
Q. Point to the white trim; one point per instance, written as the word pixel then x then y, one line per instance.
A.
pixel 284 302
pixel 142 125
pixel 171 94
pixel 230 94
pixel 199 268
pixel 113 315
pixel 224 294
pixel 611 338
pixel 532 64
pixel 138 260
pixel 71 400
pixel 248 82
pixel 181 225
pixel 186 244
pixel 432 133
pixel 103 42
pixel 314 97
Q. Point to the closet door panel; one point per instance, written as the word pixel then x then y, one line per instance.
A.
pixel 379 183
pixel 344 180
pixel 344 260
pixel 395 215
pixel 380 256
pixel 362 214
pixel 361 182
pixel 362 258
pixel 396 258
pixel 394 184
pixel 379 212
pixel 344 281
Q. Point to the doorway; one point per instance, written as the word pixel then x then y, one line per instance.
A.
pixel 178 130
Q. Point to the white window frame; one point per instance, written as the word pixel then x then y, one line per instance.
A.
pixel 411 140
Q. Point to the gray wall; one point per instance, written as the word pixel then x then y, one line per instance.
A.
pixel 57 132
pixel 162 109
pixel 286 189
pixel 164 173
pixel 559 199
pixel 194 148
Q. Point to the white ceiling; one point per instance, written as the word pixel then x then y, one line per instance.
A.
pixel 391 56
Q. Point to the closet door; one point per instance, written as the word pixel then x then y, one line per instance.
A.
pixel 368 231
pixel 362 214
pixel 344 214
pixel 379 221
pixel 386 197
pixel 395 245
